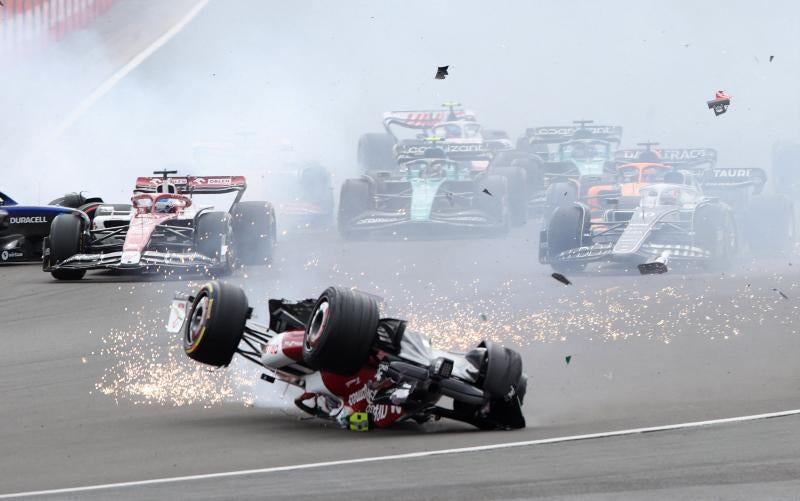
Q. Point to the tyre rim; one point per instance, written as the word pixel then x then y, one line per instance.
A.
pixel 317 324
pixel 198 321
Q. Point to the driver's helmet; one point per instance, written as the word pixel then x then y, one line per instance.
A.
pixel 451 131
pixel 436 168
pixel 581 151
pixel 166 206
pixel 670 197
pixel 166 187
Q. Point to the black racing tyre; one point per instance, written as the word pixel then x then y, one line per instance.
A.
pixel 341 332
pixel 254 232
pixel 355 198
pixel 495 202
pixel 517 193
pixel 715 231
pixel 376 152
pixel 770 226
pixel 559 194
pixel 213 237
pixel 215 323
pixel 66 240
pixel 501 374
pixel 564 231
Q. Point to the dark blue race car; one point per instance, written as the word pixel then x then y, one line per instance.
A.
pixel 23 227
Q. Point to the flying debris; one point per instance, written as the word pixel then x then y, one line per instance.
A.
pixel 720 103
pixel 483 317
pixel 449 197
pixel 561 278
pixel 770 57
pixel 656 266
pixel 485 190
pixel 441 72
pixel 784 296
pixel 567 359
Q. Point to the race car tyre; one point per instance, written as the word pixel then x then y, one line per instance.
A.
pixel 74 200
pixel 560 194
pixel 564 232
pixel 66 240
pixel 341 332
pixel 254 232
pixel 213 329
pixel 715 231
pixel 376 152
pixel 491 195
pixel 354 199
pixel 214 238
pixel 517 193
pixel 769 226
pixel 501 372
pixel 462 392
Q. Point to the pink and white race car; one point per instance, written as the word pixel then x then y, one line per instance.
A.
pixel 352 366
pixel 163 229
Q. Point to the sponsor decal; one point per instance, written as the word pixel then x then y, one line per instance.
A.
pixel 27 220
pixel 448 148
pixel 292 343
pixel 568 131
pixel 693 154
pixel 6 255
pixel 732 172
pixel 218 181
pixel 271 349
pixel 364 393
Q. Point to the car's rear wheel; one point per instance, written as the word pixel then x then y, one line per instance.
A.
pixel 213 238
pixel 376 152
pixel 564 232
pixel 213 329
pixel 354 199
pixel 517 193
pixel 66 240
pixel 715 232
pixel 254 232
pixel 341 332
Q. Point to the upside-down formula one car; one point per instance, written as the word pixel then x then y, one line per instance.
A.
pixel 352 366
pixel 162 229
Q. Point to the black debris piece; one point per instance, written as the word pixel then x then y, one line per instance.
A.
pixel 441 72
pixel 771 58
pixel 654 268
pixel 561 278
pixel 784 296
pixel 449 197
pixel 567 359
pixel 487 192
pixel 483 316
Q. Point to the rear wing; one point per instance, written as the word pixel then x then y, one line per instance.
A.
pixel 676 157
pixel 425 119
pixel 727 178
pixel 563 133
pixel 411 150
pixel 193 184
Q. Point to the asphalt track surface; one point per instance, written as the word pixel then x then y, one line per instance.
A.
pixel 94 390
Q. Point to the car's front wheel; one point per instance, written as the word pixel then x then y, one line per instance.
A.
pixel 213 329
pixel 341 332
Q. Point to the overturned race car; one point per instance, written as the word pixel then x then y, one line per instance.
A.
pixel 352 366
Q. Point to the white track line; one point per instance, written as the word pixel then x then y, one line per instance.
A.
pixel 411 455
pixel 122 72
